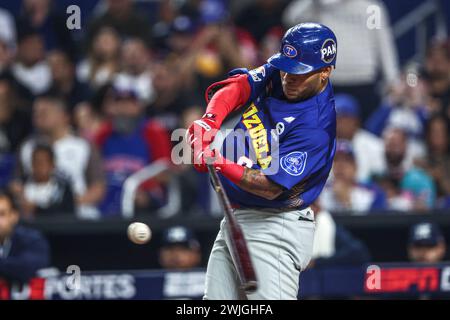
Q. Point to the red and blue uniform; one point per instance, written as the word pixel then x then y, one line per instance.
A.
pixel 292 143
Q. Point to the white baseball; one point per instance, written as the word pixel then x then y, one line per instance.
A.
pixel 139 233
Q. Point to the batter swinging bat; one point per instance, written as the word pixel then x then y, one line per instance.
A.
pixel 239 250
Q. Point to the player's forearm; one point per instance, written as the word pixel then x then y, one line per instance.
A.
pixel 228 98
pixel 250 180
pixel 255 182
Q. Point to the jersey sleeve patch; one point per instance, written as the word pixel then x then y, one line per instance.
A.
pixel 294 163
pixel 258 74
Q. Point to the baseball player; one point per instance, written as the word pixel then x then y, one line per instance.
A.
pixel 280 164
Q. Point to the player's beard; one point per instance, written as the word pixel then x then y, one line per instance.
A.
pixel 295 95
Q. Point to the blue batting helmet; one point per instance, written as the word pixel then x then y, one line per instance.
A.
pixel 304 48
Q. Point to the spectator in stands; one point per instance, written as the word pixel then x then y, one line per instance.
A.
pixel 64 82
pixel 168 98
pixel 366 45
pixel 171 96
pixel 6 55
pixel 175 18
pixel 180 249
pixel 130 142
pixel 400 169
pixel 260 17
pixel 15 122
pixel 368 148
pixel 205 11
pixel 89 117
pixel 75 157
pixel 46 191
pixel 37 15
pixel 15 126
pixel 7 39
pixel 405 106
pixel 397 160
pixel 422 188
pixel 221 48
pixel 270 44
pixel 213 45
pixel 88 121
pixel 343 192
pixel 395 151
pixel 30 69
pixel 135 60
pixel 102 61
pixel 23 251
pixel 437 159
pixel 203 55
pixel 426 243
pixel 333 244
pixel 436 74
pixel 123 18
pixel 397 199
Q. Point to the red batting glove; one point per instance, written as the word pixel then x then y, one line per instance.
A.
pixel 200 157
pixel 229 169
pixel 202 132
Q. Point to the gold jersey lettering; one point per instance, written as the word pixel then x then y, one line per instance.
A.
pixel 250 111
pixel 265 162
pixel 253 120
pixel 258 134
pixel 257 131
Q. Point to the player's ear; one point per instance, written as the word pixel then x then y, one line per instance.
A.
pixel 325 73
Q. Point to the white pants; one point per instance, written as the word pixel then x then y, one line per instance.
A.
pixel 280 246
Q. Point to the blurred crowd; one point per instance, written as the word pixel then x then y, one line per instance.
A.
pixel 81 111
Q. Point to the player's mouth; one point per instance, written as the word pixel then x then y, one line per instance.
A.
pixel 290 92
pixel 295 94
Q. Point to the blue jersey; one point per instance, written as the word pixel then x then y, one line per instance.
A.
pixel 292 143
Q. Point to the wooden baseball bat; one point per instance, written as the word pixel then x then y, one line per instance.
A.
pixel 239 249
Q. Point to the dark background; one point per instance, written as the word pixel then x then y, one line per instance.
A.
pixel 396 8
pixel 104 245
